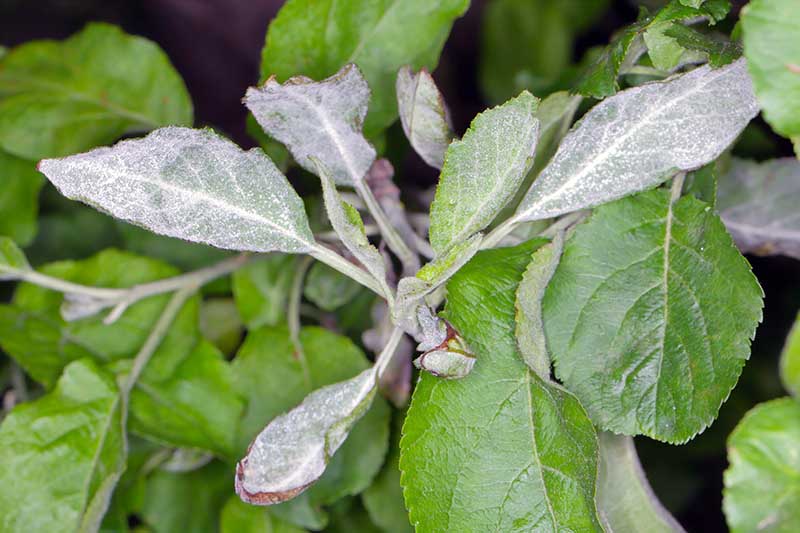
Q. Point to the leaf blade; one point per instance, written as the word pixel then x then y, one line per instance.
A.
pixel 424 115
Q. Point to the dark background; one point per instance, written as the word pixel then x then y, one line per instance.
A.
pixel 216 47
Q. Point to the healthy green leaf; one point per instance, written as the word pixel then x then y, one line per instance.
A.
pixel 650 314
pixel 318 120
pixel 12 259
pixel 720 52
pixel 179 253
pixel 601 78
pixel 348 225
pixel 640 137
pixel 384 498
pixel 238 517
pixel 19 198
pixel 625 500
pixel 220 324
pixel 762 483
pixel 665 52
pixel 529 329
pixel 483 170
pixel 424 115
pixel 770 29
pixel 790 360
pixel 190 184
pixel 501 449
pixel 703 184
pixel 758 203
pixel 328 289
pixel 61 455
pixel 189 502
pixel 316 38
pixel 261 289
pixel 58 98
pixel 326 359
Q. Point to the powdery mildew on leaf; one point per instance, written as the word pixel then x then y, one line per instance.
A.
pixel 292 452
pixel 650 315
pixel 191 184
pixel 321 119
pixel 640 137
pixel 483 170
pixel 758 204
pixel 424 115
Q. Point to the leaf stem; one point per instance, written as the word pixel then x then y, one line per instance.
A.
pixel 498 234
pixel 385 357
pixel 337 262
pixel 293 314
pixel 157 335
pixel 393 239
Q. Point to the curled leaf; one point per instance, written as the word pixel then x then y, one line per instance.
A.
pixel 449 360
pixel 291 453
pixel 424 115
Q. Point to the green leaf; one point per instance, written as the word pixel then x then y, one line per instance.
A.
pixel 190 184
pixel 239 517
pixel 261 289
pixel 326 359
pixel 650 315
pixel 59 98
pixel 194 405
pixel 19 198
pixel 12 259
pixel 328 289
pixel 384 498
pixel 790 360
pixel 348 515
pixel 702 183
pixel 762 483
pixel 529 328
pixel 600 80
pixel 220 324
pixel 640 137
pixel 189 502
pixel 483 171
pixel 772 49
pixel 758 203
pixel 501 449
pixel 61 455
pixel 720 52
pixel 318 120
pixel 625 500
pixel 182 254
pixel 665 52
pixel 424 115
pixel 316 38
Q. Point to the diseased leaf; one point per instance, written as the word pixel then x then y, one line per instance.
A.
pixel 529 328
pixel 625 500
pixel 348 225
pixel 59 98
pixel 650 315
pixel 640 137
pixel 190 184
pixel 424 115
pixel 238 517
pixel 762 483
pixel 758 203
pixel 772 49
pixel 326 359
pixel 790 360
pixel 261 289
pixel 19 198
pixel 483 170
pixel 318 120
pixel 600 80
pixel 501 449
pixel 62 454
pixel 328 289
pixel 190 501
pixel 317 37
pixel 12 259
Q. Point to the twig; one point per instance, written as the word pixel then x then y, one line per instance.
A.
pixel 293 314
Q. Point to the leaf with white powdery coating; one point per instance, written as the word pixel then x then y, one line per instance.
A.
pixel 483 170
pixel 642 136
pixel 524 456
pixel 318 119
pixel 62 454
pixel 530 330
pixel 424 115
pixel 650 315
pixel 758 204
pixel 190 184
pixel 762 483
